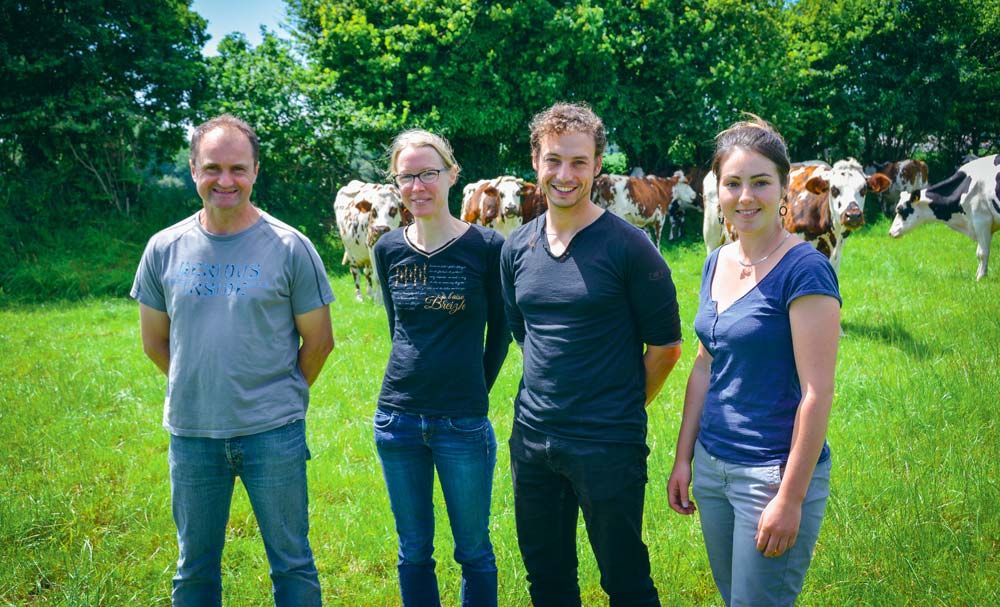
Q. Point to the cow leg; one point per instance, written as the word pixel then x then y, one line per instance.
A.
pixel 368 277
pixel 676 214
pixel 984 238
pixel 357 283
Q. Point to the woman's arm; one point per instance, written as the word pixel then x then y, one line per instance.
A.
pixel 694 401
pixel 815 323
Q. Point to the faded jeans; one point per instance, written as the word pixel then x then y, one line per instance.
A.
pixel 730 499
pixel 272 467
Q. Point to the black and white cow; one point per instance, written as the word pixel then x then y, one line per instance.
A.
pixel 967 202
pixel 364 212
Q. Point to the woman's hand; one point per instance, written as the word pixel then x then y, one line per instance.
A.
pixel 677 489
pixel 778 526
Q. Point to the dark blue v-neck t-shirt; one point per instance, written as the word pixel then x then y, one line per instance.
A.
pixel 754 390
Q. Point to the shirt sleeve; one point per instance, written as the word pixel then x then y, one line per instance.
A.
pixel 507 277
pixel 383 281
pixel 812 275
pixel 497 331
pixel 147 287
pixel 652 294
pixel 311 284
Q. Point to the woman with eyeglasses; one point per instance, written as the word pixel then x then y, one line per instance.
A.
pixel 440 279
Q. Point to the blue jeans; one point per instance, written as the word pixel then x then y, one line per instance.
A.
pixel 272 466
pixel 464 452
pixel 554 479
pixel 730 500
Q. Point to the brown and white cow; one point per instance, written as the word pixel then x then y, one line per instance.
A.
pixel 905 175
pixel 493 203
pixel 641 201
pixel 364 212
pixel 825 204
pixel 967 202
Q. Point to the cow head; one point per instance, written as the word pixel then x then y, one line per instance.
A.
pixel 387 210
pixel 911 211
pixel 509 192
pixel 847 185
pixel 683 193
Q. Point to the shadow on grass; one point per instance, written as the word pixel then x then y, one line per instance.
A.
pixel 890 332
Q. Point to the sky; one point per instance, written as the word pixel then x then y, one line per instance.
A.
pixel 241 16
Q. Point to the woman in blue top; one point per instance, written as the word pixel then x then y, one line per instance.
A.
pixel 440 281
pixel 759 395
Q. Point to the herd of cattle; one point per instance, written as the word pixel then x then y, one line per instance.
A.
pixel 825 205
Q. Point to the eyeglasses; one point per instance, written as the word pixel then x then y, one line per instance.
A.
pixel 428 176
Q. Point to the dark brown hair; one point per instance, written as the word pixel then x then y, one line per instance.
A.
pixel 756 135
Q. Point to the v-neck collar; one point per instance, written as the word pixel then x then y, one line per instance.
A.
pixel 439 249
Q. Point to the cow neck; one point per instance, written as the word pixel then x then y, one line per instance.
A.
pixel 431 237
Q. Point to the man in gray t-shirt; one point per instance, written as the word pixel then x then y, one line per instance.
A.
pixel 234 310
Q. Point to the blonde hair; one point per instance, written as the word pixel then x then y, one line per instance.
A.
pixel 418 138
pixel 756 135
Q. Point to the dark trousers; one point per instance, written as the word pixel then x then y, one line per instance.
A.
pixel 554 479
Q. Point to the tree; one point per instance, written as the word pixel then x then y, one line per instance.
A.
pixel 95 91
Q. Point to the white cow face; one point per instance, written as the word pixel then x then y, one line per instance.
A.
pixel 683 192
pixel 510 197
pixel 387 210
pixel 911 211
pixel 848 185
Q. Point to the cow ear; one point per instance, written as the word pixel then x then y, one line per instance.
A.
pixel 363 205
pixel 878 183
pixel 817 185
pixel 405 216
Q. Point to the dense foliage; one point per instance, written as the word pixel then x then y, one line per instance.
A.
pixel 95 95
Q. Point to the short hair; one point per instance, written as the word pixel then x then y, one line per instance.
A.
pixel 564 118
pixel 418 138
pixel 225 121
pixel 756 135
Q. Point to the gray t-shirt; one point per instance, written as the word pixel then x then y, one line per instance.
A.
pixel 233 342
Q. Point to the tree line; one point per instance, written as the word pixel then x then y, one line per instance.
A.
pixel 96 95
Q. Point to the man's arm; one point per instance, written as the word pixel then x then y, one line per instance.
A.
pixel 659 362
pixel 317 341
pixel 155 329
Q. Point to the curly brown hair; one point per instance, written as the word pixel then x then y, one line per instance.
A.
pixel 568 117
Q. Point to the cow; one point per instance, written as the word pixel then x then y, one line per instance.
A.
pixel 364 212
pixel 906 175
pixel 967 202
pixel 684 198
pixel 641 201
pixel 825 204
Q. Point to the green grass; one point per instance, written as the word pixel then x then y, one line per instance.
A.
pixel 913 518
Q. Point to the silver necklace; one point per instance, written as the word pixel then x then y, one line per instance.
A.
pixel 764 258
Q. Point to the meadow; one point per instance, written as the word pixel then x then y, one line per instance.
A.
pixel 913 518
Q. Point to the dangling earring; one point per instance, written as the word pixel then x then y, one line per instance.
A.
pixel 783 210
pixel 722 219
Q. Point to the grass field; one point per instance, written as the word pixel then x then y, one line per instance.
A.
pixel 913 518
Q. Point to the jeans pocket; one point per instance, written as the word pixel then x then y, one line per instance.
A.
pixel 468 425
pixel 383 419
